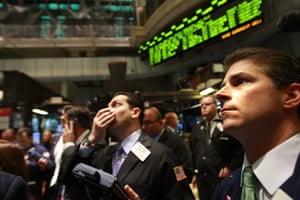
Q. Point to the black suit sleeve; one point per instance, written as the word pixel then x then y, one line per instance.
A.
pixel 13 188
pixel 171 188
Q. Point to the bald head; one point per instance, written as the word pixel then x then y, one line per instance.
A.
pixel 171 120
pixel 152 122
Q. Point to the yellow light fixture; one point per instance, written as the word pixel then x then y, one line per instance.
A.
pixel 207 91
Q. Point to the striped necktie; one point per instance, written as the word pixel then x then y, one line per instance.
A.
pixel 250 184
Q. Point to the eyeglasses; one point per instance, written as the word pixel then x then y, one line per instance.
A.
pixel 148 122
pixel 206 104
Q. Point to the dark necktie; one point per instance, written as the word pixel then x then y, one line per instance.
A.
pixel 250 184
pixel 117 160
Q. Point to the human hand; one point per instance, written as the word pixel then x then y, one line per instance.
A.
pixel 224 172
pixel 68 132
pixel 42 162
pixel 194 181
pixel 132 195
pixel 102 120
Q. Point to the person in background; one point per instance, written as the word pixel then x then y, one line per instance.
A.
pixel 76 130
pixel 215 153
pixel 12 159
pixel 47 139
pixel 154 126
pixel 38 162
pixel 53 188
pixel 146 166
pixel 171 122
pixel 9 134
pixel 48 142
pixel 260 95
pixel 13 172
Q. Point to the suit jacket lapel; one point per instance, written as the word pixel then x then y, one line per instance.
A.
pixel 291 186
pixel 164 136
pixel 127 166
pixel 131 161
pixel 108 158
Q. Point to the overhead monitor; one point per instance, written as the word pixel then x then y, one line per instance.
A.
pixel 219 19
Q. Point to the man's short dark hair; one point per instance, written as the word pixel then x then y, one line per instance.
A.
pixel 134 100
pixel 81 113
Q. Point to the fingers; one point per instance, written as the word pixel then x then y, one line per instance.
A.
pixel 68 132
pixel 42 162
pixel 132 195
pixel 104 118
pixel 72 126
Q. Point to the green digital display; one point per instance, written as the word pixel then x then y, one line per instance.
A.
pixel 221 18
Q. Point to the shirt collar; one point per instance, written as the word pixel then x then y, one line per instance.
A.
pixel 281 161
pixel 82 136
pixel 130 141
pixel 171 128
pixel 159 135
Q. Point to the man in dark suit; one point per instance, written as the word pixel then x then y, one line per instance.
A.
pixel 260 95
pixel 215 153
pixel 77 123
pixel 154 126
pixel 12 187
pixel 148 167
pixel 172 121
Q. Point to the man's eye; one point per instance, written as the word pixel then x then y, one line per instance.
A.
pixel 239 82
pixel 116 104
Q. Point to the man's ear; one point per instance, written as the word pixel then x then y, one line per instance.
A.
pixel 162 122
pixel 292 98
pixel 135 112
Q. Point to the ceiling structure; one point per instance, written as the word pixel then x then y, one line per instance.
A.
pixel 34 28
pixel 95 28
pixel 82 28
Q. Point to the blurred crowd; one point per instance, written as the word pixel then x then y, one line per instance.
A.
pixel 123 150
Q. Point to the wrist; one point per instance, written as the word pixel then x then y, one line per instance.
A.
pixel 92 138
pixel 89 142
pixel 95 137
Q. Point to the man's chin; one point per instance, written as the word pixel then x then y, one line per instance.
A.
pixel 230 129
pixel 234 131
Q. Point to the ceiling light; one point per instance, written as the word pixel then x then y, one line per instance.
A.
pixel 207 91
pixel 39 111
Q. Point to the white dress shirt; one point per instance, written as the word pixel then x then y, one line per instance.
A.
pixel 276 166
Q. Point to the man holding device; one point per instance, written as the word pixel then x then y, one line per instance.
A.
pixel 146 166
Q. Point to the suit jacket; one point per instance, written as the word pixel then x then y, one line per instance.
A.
pixel 230 187
pixel 12 187
pixel 153 179
pixel 73 189
pixel 180 149
pixel 209 158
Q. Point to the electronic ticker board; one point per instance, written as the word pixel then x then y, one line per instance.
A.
pixel 220 19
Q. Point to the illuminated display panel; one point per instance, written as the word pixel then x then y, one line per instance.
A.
pixel 220 19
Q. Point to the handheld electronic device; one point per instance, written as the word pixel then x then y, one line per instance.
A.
pixel 100 179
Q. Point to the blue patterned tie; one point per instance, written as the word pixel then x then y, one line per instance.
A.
pixel 250 184
pixel 117 160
